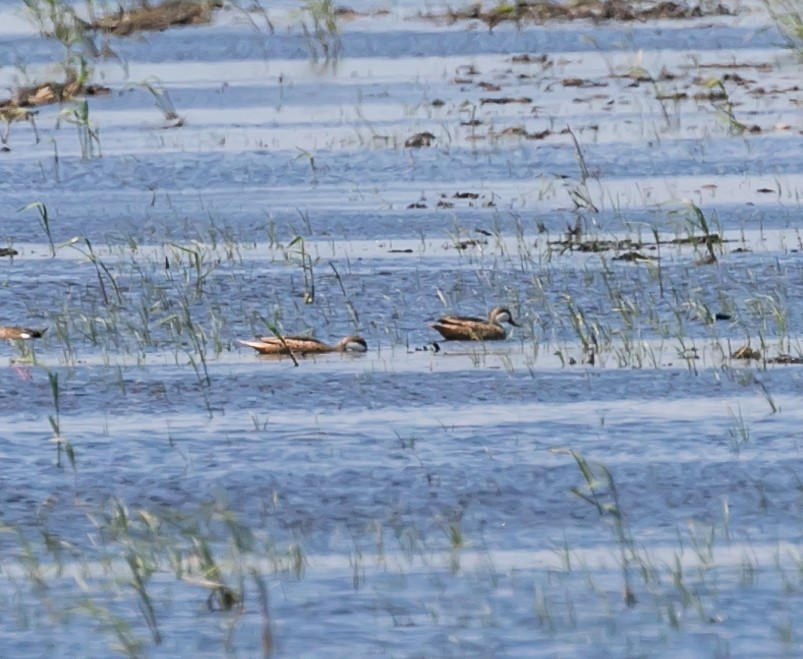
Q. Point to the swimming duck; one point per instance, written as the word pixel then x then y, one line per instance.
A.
pixel 467 328
pixel 15 332
pixel 302 345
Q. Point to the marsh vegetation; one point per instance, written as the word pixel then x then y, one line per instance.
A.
pixel 620 472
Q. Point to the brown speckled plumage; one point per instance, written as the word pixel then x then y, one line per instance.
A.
pixel 17 333
pixel 302 345
pixel 468 328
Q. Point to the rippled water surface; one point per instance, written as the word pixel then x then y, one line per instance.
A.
pixel 607 481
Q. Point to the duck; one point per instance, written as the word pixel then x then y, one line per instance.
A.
pixel 17 333
pixel 468 328
pixel 303 345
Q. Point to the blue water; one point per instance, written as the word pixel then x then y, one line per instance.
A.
pixel 406 502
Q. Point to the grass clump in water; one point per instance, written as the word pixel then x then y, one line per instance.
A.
pixel 788 17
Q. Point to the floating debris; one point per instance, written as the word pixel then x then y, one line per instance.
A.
pixel 471 242
pixel 539 135
pixel 579 82
pixel 433 347
pixel 513 131
pixel 47 93
pixel 711 95
pixel 676 96
pixel 746 352
pixel 419 140
pixel 705 239
pixel 784 358
pixel 634 257
pixel 505 100
pixel 530 59
pixel 574 242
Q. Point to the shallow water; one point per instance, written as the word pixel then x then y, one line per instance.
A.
pixel 409 501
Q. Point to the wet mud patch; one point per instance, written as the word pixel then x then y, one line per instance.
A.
pixel 48 93
pixel 420 140
pixel 147 18
pixel 20 107
pixel 575 241
pixel 460 199
pixel 594 10
pixel 734 97
pixel 746 353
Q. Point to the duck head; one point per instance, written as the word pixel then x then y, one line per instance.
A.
pixel 501 315
pixel 352 344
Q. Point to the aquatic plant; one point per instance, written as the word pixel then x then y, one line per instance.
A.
pixel 100 269
pixel 600 491
pixel 201 261
pixel 310 158
pixel 355 317
pixel 306 267
pixel 579 193
pixel 594 10
pixel 698 222
pixel 163 101
pixel 44 222
pixel 55 423
pixel 739 432
pixel 56 19
pixel 724 105
pixel 11 114
pixel 88 132
pixel 266 629
pixel 788 17
pixel 321 29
